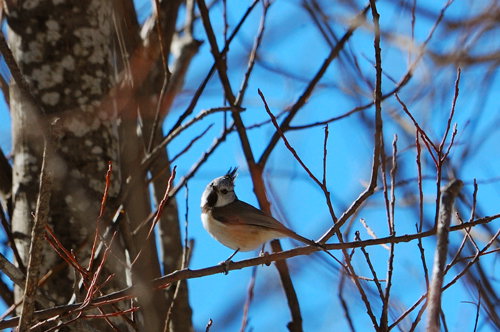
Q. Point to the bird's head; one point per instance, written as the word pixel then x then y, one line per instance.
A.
pixel 220 191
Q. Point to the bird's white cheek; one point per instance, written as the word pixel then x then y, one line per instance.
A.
pixel 225 199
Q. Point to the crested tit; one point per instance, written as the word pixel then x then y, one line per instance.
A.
pixel 236 224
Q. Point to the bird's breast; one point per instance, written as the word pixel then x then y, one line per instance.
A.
pixel 237 236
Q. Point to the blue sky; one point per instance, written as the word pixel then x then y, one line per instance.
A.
pixel 292 43
pixel 350 148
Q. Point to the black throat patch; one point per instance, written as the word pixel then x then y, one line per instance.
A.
pixel 212 199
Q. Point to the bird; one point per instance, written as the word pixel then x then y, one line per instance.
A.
pixel 237 224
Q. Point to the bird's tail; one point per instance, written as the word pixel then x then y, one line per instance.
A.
pixel 315 244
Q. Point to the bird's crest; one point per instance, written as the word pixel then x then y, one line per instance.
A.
pixel 231 173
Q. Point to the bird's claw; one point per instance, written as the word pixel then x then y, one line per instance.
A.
pixel 225 266
pixel 265 254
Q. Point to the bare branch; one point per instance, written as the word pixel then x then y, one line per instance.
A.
pixel 35 253
pixel 434 300
pixel 166 280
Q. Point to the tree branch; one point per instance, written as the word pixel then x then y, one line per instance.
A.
pixel 168 279
pixel 443 228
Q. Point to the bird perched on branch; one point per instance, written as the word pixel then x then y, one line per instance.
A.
pixel 239 225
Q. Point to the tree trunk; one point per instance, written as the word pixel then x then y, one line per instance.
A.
pixel 64 51
pixel 70 53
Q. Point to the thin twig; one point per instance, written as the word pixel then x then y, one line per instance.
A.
pixel 453 281
pixel 184 263
pixel 376 155
pixel 478 307
pixel 222 71
pixel 11 271
pixel 253 54
pixel 431 147
pixel 419 226
pixel 306 94
pixel 163 202
pixel 343 302
pixel 101 214
pixel 392 230
pixel 202 86
pixel 370 265
pixel 321 184
pixel 7 231
pixel 325 152
pixel 452 110
pixel 153 154
pixel 166 75
pixel 285 141
pixel 248 301
pixel 190 144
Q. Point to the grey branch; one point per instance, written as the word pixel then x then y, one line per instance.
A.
pixel 443 228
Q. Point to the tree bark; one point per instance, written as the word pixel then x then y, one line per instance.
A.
pixel 63 49
pixel 70 54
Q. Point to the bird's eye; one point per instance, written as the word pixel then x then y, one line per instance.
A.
pixel 224 191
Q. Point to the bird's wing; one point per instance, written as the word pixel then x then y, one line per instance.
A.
pixel 241 213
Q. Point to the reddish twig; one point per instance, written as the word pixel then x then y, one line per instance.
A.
pixel 163 202
pixel 101 214
pixel 59 248
pixel 106 189
pixel 93 288
pixel 112 314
